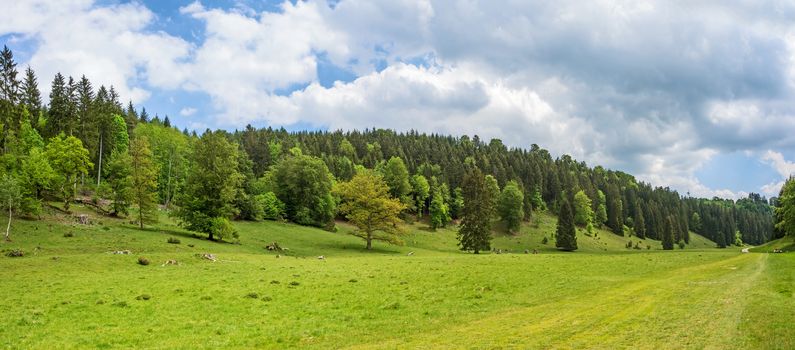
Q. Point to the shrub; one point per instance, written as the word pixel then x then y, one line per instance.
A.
pixel 681 244
pixel 629 245
pixel 173 240
pixel 143 261
pixel 15 253
pixel 252 295
pixel 68 235
pixel 545 240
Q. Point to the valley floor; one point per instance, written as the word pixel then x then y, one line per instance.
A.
pixel 71 292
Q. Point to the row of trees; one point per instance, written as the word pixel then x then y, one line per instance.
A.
pixel 256 174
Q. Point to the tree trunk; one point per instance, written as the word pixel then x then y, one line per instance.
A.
pixel 369 241
pixel 168 184
pixel 8 228
pixel 211 236
pixel 140 217
pixel 99 171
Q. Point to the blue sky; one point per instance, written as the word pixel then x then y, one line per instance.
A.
pixel 697 96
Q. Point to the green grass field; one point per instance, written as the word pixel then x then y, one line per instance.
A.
pixel 71 292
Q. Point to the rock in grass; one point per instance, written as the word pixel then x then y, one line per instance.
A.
pixel 172 240
pixel 15 253
pixel 143 297
pixel 143 261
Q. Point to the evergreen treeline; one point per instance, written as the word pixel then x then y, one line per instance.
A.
pixel 86 140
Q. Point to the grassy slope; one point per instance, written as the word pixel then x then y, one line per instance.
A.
pixel 439 296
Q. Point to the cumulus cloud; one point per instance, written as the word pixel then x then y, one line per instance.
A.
pixel 653 87
pixel 109 44
pixel 187 111
pixel 782 166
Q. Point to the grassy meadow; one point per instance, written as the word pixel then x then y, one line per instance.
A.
pixel 69 291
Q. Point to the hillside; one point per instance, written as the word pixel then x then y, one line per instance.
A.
pixel 387 298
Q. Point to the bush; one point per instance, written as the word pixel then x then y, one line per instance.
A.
pixel 681 245
pixel 252 295
pixel 629 245
pixel 222 228
pixel 15 253
pixel 173 240
pixel 545 240
pixel 143 261
pixel 68 235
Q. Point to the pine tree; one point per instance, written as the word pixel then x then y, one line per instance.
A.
pixel 144 115
pixel 9 94
pixel 143 173
pixel 565 233
pixel 120 182
pixel 207 200
pixel 668 234
pixel 31 96
pixel 58 113
pixel 639 222
pixel 475 232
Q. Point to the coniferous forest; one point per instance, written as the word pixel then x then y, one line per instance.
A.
pixel 87 145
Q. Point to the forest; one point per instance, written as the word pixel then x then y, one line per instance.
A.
pixel 86 145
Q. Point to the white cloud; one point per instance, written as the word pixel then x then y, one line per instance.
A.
pixel 782 166
pixel 109 44
pixel 187 111
pixel 656 88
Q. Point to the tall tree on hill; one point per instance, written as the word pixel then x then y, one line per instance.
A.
pixel 583 213
pixel 475 232
pixel 421 192
pixel 9 91
pixel 439 210
pixel 120 182
pixel 143 176
pixel 58 114
pixel 668 234
pixel 130 117
pixel 511 206
pixel 785 208
pixel 565 232
pixel 367 204
pixel 396 177
pixel 69 160
pixel 601 209
pixel 207 201
pixel 639 222
pixel 614 210
pixel 304 184
pixel 31 96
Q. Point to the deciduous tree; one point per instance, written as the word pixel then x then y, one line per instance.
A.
pixel 367 204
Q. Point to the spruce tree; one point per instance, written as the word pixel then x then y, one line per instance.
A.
pixel 58 113
pixel 475 232
pixel 565 233
pixel 668 234
pixel 31 96
pixel 143 173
